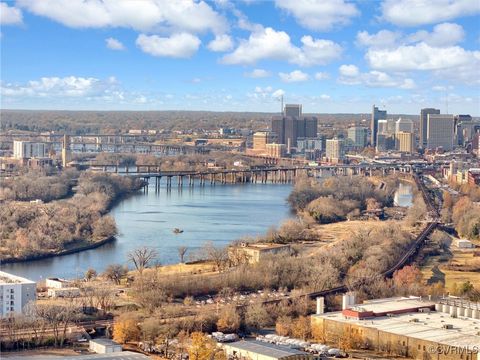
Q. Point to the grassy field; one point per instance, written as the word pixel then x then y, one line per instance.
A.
pixel 436 268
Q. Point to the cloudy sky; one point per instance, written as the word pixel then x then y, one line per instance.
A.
pixel 331 55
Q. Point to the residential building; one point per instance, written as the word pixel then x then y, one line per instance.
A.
pixel 423 124
pixel 406 326
pixel 358 136
pixel 258 350
pixel 28 149
pixel 440 132
pixel 473 176
pixel 405 141
pixel 334 151
pixel 15 293
pixel 376 115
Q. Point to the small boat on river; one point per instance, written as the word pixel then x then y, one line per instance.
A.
pixel 177 231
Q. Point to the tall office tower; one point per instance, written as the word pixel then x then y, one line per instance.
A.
pixel 382 127
pixel 464 129
pixel 294 110
pixel 405 141
pixel 405 125
pixel 292 125
pixel 28 149
pixel 423 125
pixel 440 131
pixel 65 150
pixel 334 151
pixel 358 136
pixel 376 115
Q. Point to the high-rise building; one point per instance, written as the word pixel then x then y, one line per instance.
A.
pixel 405 125
pixel 382 127
pixel 376 115
pixel 294 110
pixel 28 149
pixel 334 151
pixel 15 293
pixel 464 129
pixel 423 124
pixel 440 131
pixel 405 141
pixel 357 136
pixel 292 125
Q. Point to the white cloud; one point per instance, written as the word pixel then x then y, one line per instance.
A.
pixel 415 12
pixel 177 15
pixel 278 94
pixel 382 39
pixel 114 44
pixel 421 57
pixel 445 34
pixel 265 93
pixel 221 43
pixel 325 97
pixel 317 52
pixel 267 43
pixel 10 15
pixel 321 75
pixel 319 15
pixel 70 86
pixel 351 75
pixel 294 76
pixel 349 70
pixel 257 73
pixel 182 45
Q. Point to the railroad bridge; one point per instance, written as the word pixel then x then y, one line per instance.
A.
pixel 263 175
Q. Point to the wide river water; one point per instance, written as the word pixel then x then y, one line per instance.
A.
pixel 219 214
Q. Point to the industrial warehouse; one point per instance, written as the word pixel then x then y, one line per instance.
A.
pixel 412 327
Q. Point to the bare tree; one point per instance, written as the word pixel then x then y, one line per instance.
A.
pixel 115 273
pixel 142 257
pixel 182 250
pixel 218 255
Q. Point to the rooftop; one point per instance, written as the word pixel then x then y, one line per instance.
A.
pixel 394 304
pixel 266 349
pixel 123 355
pixel 263 246
pixel 6 278
pixel 104 341
pixel 422 326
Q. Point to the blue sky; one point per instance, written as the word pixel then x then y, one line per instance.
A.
pixel 331 55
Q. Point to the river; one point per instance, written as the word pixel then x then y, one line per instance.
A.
pixel 220 214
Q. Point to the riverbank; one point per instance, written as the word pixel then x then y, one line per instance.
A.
pixel 78 246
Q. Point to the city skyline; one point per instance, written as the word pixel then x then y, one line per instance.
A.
pixel 239 56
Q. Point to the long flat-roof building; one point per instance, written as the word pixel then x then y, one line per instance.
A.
pixel 411 327
pixel 257 350
pixel 15 293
